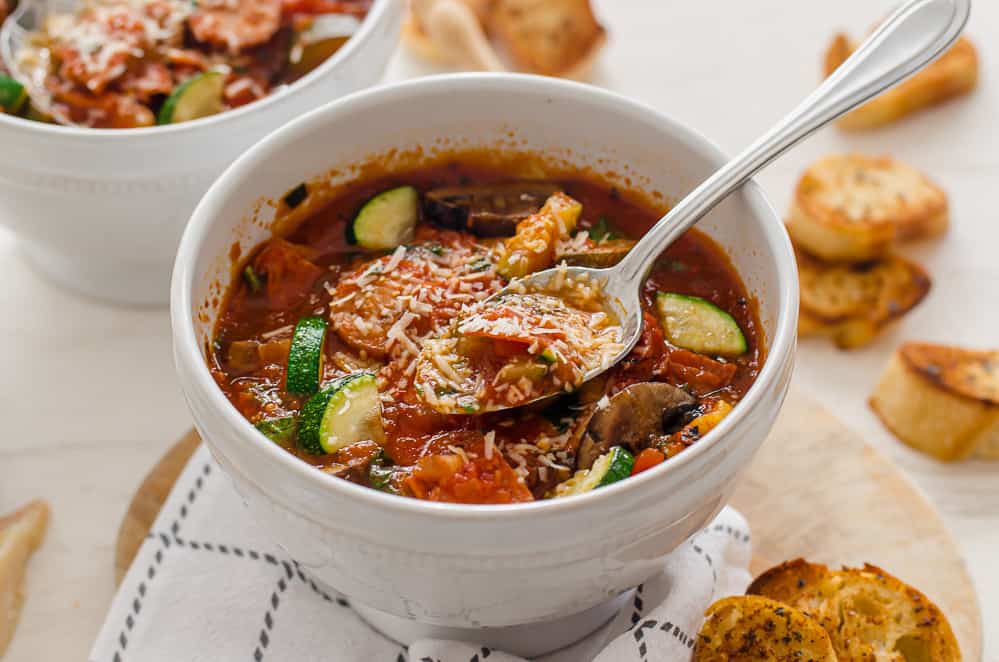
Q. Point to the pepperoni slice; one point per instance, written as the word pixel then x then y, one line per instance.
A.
pixel 235 25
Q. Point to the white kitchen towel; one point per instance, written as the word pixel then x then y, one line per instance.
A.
pixel 209 585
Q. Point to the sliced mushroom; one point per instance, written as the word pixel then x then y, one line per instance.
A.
pixel 604 254
pixel 633 418
pixel 488 210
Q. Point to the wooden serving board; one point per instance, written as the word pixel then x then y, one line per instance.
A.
pixel 814 490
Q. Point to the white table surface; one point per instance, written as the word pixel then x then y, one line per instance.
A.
pixel 89 399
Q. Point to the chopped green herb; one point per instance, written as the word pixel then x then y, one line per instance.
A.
pixel 296 196
pixel 602 230
pixel 563 412
pixel 281 431
pixel 481 264
pixel 381 471
pixel 253 279
pixel 381 478
pixel 675 265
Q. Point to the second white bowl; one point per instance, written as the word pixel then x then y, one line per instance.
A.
pixel 101 211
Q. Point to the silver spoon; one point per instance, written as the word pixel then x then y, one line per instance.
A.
pixel 910 39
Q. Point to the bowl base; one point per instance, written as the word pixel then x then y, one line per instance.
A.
pixel 528 640
pixel 142 283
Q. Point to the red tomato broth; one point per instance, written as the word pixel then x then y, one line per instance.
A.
pixel 695 265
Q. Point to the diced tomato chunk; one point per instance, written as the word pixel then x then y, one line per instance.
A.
pixel 147 80
pixel 358 455
pixel 647 459
pixel 647 361
pixel 290 273
pixel 355 7
pixel 700 373
pixel 481 480
pixel 237 26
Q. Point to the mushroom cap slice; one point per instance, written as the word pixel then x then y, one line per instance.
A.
pixel 487 210
pixel 605 254
pixel 632 418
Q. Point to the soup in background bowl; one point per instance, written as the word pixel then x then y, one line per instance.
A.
pixel 100 211
pixel 124 65
pixel 414 566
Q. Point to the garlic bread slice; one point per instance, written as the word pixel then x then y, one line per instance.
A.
pixel 852 303
pixel 868 613
pixel 953 75
pixel 21 533
pixel 853 207
pixel 549 37
pixel 749 628
pixel 943 401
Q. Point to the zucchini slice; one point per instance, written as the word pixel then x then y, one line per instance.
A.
pixel 387 220
pixel 197 97
pixel 698 325
pixel 253 280
pixel 280 430
pixel 305 357
pixel 612 466
pixel 344 413
pixel 12 95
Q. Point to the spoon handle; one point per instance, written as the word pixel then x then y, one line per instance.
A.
pixel 910 39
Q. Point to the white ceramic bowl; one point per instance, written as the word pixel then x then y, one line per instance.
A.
pixel 407 563
pixel 101 211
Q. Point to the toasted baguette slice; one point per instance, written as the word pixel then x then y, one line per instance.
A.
pixel 21 533
pixel 953 75
pixel 415 36
pixel 450 32
pixel 943 401
pixel 750 628
pixel 853 207
pixel 852 303
pixel 868 614
pixel 550 37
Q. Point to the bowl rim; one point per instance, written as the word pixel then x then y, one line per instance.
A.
pixel 194 370
pixel 379 11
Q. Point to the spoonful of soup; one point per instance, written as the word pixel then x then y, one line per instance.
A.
pixel 553 329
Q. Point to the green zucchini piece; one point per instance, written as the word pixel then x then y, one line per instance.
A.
pixel 12 95
pixel 305 357
pixel 549 356
pixel 612 466
pixel 344 413
pixel 197 97
pixel 698 325
pixel 387 220
pixel 253 280
pixel 280 430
